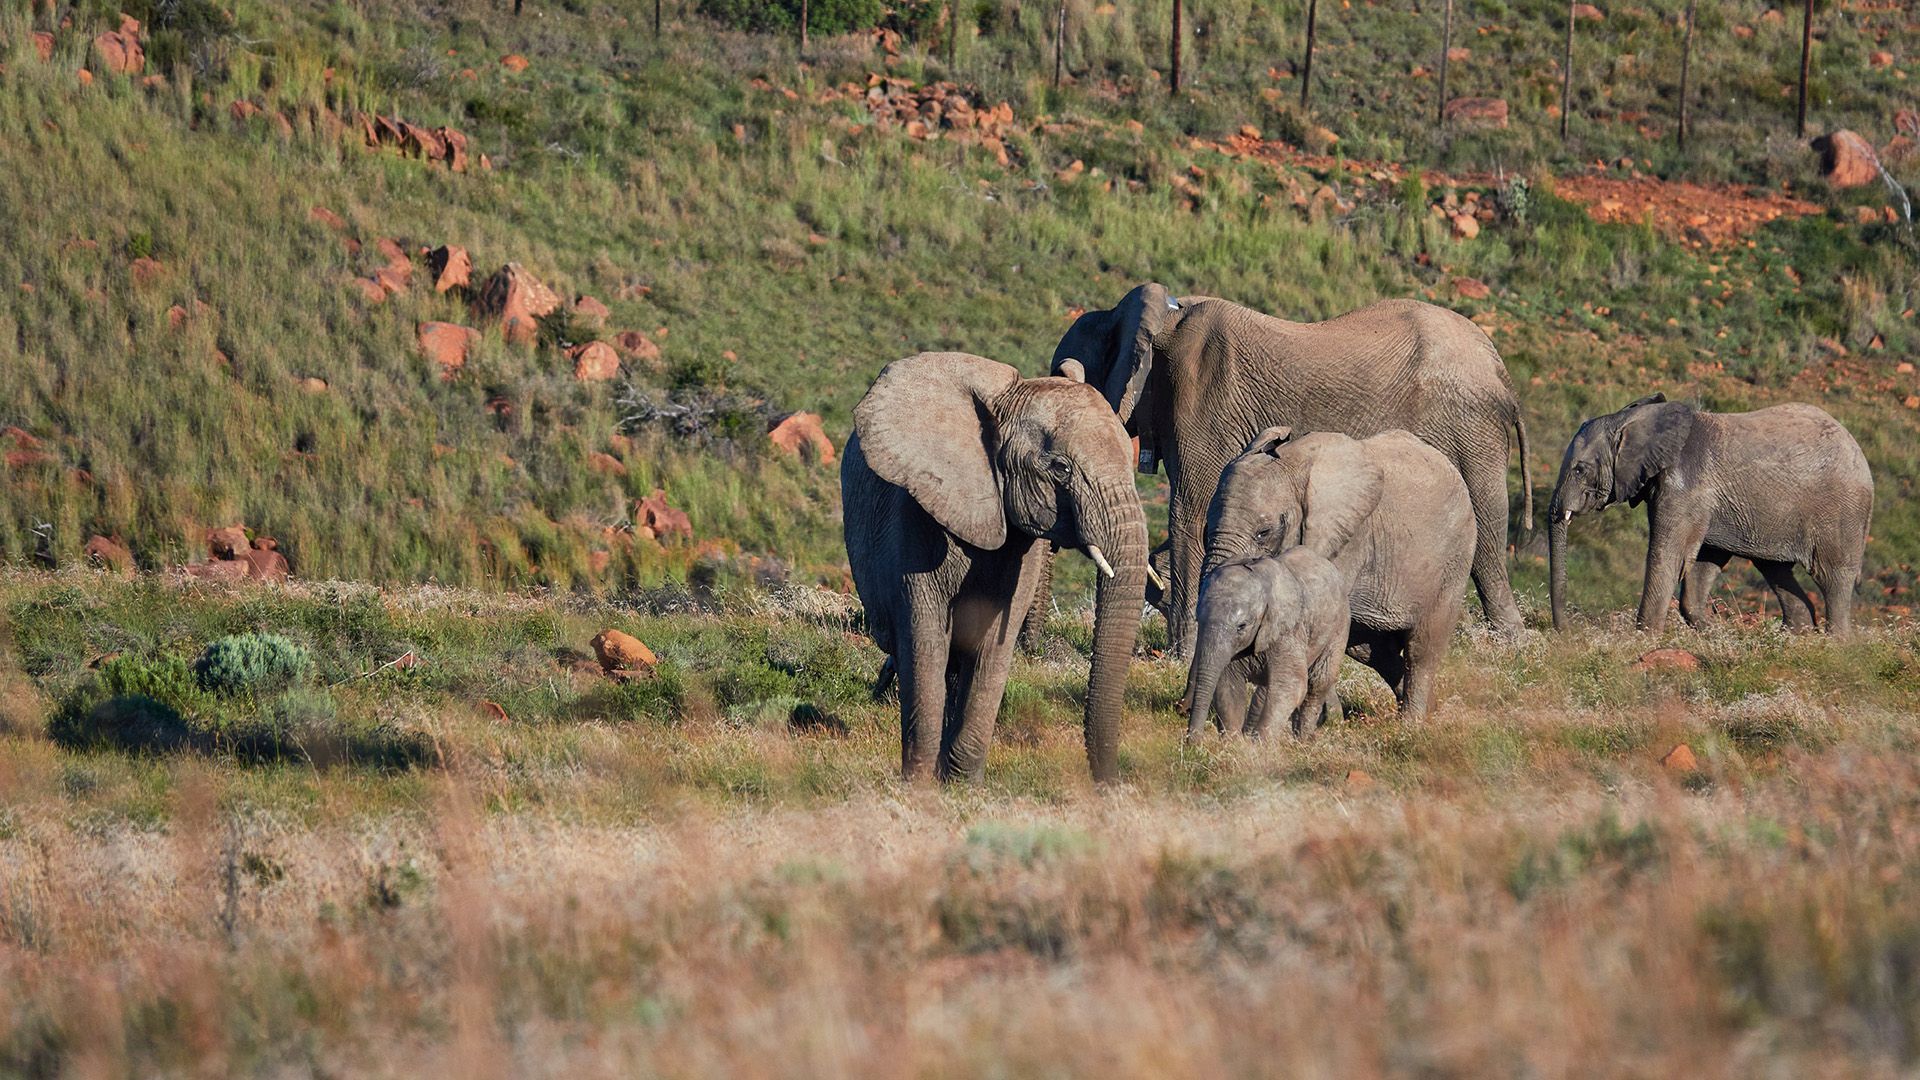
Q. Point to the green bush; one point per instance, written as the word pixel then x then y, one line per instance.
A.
pixel 131 722
pixel 824 17
pixel 253 664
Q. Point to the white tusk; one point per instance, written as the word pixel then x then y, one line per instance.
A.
pixel 1158 581
pixel 1566 515
pixel 1099 560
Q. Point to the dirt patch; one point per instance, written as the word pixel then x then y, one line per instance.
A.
pixel 1698 215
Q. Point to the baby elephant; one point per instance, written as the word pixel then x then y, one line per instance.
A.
pixel 1779 486
pixel 1281 622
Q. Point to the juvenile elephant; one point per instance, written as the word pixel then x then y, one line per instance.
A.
pixel 1779 486
pixel 1196 378
pixel 1390 512
pixel 1281 623
pixel 958 474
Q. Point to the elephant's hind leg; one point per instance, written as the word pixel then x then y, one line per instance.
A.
pixel 1796 607
pixel 1697 586
pixel 1836 587
pixel 1487 490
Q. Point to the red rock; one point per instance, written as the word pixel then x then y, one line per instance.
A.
pixel 1880 58
pixel 1588 11
pixel 660 520
pixel 328 218
pixel 146 271
pixel 1358 779
pixel 447 344
pixel 606 463
pixel 516 301
pixel 1459 55
pixel 391 279
pixel 264 563
pixel 120 53
pixel 421 142
pixel 595 361
pixel 220 569
pixel 450 266
pixel 514 62
pixel 1667 659
pixel 243 110
pixel 26 459
pixel 313 385
pixel 456 144
pixel 129 25
pixel 1847 160
pixel 176 318
pixel 228 542
pixel 1680 759
pixel 109 554
pixel 43 46
pixel 1476 112
pixel 800 433
pixel 598 561
pixel 154 83
pixel 84 76
pixel 592 310
pixel 637 345
pixel 622 652
pixel 1465 227
pixel 494 712
pixel 370 290
pixel 21 439
pixel 395 254
pixel 1471 288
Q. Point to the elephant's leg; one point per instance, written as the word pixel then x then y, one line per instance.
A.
pixel 988 634
pixel 1193 477
pixel 1380 650
pixel 1426 649
pixel 1318 705
pixel 1836 586
pixel 1487 489
pixel 1033 630
pixel 1286 689
pixel 923 686
pixel 1796 607
pixel 1231 700
pixel 1695 594
pixel 1673 539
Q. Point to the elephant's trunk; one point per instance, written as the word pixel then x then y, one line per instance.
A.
pixel 1210 658
pixel 1557 565
pixel 1119 531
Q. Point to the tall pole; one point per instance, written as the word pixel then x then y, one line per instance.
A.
pixel 803 29
pixel 1686 71
pixel 1306 68
pixel 656 18
pixel 1806 63
pixel 1174 81
pixel 953 32
pixel 1059 42
pixel 1566 77
pixel 1446 46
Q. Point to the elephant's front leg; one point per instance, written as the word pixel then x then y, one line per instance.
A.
pixel 987 620
pixel 1673 538
pixel 1187 551
pixel 1232 700
pixel 1286 689
pixel 923 681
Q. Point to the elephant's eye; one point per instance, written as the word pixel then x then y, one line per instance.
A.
pixel 1266 532
pixel 1060 467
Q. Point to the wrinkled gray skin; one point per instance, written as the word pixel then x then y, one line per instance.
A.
pixel 1779 486
pixel 1198 378
pixel 958 474
pixel 1389 511
pixel 1281 624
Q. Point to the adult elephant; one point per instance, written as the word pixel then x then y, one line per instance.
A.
pixel 959 476
pixel 1198 378
pixel 1779 486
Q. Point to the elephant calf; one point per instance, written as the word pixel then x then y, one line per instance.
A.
pixel 1390 512
pixel 1779 486
pixel 1281 622
pixel 957 478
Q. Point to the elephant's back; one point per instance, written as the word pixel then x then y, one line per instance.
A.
pixel 1794 440
pixel 1422 534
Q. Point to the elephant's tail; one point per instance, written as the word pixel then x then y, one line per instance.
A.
pixel 1526 473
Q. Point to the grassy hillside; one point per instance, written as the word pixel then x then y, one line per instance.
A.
pixel 789 247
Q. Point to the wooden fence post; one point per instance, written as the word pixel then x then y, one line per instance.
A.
pixel 1306 68
pixel 1686 72
pixel 1174 79
pixel 1806 63
pixel 1446 46
pixel 1566 76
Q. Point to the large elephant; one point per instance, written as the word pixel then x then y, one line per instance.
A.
pixel 958 476
pixel 1390 512
pixel 1779 486
pixel 1197 378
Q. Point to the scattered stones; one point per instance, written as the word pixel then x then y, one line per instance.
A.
pixel 119 51
pixel 108 553
pixel 800 434
pixel 494 711
pixel 1477 112
pixel 450 266
pixel 590 310
pixel 595 361
pixel 392 279
pixel 606 464
pixel 1680 759
pixel 1465 227
pixel 936 110
pixel 442 144
pixel 1880 58
pixel 1667 660
pixel 447 344
pixel 516 301
pixel 638 346
pixel 264 561
pixel 370 290
pixel 621 653
pixel 227 542
pixel 514 62
pixel 1847 160
pixel 1588 12
pixel 653 519
pixel 1471 288
pixel 1459 55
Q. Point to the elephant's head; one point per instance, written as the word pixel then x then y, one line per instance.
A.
pixel 1233 622
pixel 1115 348
pixel 989 455
pixel 1314 490
pixel 1613 458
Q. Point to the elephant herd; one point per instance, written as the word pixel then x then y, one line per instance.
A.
pixel 1333 485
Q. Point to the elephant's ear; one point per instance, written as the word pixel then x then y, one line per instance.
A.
pixel 1343 490
pixel 1647 444
pixel 1269 441
pixel 1654 398
pixel 925 426
pixel 1126 334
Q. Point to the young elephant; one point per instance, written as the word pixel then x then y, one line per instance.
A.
pixel 1390 512
pixel 1281 623
pixel 958 476
pixel 1779 486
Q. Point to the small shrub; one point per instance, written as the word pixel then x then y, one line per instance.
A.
pixel 252 664
pixel 131 722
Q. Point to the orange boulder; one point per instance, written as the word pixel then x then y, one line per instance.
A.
pixel 799 434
